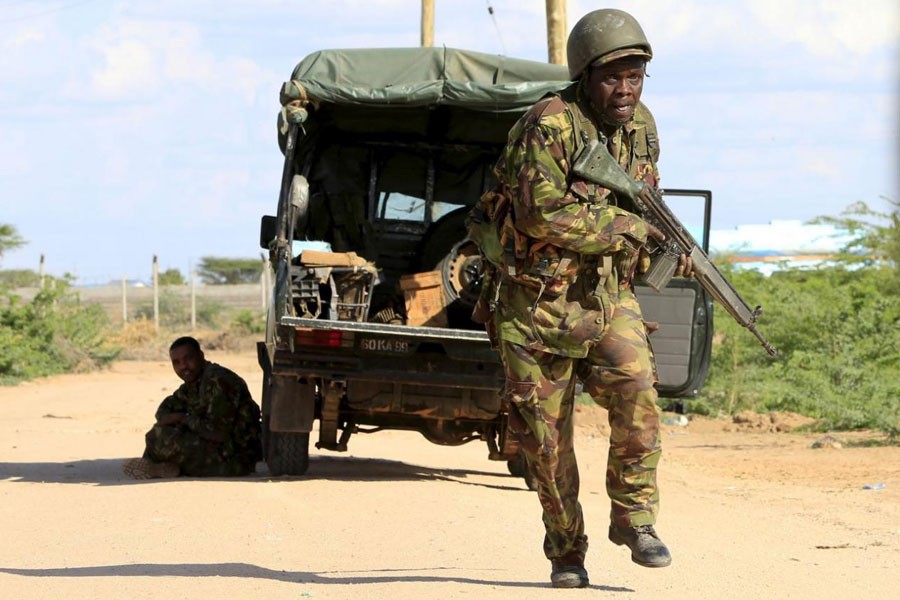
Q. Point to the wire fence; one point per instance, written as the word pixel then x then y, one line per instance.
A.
pixel 169 305
pixel 192 304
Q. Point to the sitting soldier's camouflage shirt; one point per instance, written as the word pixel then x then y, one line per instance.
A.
pixel 220 409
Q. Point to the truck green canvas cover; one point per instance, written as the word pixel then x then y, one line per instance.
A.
pixel 425 77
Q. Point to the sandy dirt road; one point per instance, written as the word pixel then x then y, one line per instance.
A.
pixel 746 515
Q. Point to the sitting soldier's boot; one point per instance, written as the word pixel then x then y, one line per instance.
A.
pixel 568 576
pixel 142 468
pixel 647 549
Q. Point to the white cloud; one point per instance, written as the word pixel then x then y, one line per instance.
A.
pixel 26 37
pixel 817 39
pixel 223 183
pixel 826 163
pixel 12 159
pixel 142 58
pixel 831 28
pixel 185 57
pixel 130 70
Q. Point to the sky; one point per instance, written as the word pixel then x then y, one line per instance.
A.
pixel 134 128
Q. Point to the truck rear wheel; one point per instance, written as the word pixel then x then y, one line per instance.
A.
pixel 287 453
pixel 519 468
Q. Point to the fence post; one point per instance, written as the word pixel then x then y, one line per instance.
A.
pixel 193 300
pixel 124 301
pixel 156 293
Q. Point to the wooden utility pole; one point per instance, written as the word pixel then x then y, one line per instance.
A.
pixel 427 23
pixel 556 32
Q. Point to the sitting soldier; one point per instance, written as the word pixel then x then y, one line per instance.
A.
pixel 209 427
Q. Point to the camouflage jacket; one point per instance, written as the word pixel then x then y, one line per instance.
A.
pixel 574 242
pixel 219 408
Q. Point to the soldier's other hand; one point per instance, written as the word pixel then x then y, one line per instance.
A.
pixel 685 266
pixel 643 263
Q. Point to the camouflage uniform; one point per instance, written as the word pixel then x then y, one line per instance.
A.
pixel 566 309
pixel 220 435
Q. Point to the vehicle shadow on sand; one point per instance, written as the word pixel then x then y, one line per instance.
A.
pixel 108 471
pixel 244 570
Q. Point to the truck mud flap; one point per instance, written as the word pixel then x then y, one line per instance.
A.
pixel 293 405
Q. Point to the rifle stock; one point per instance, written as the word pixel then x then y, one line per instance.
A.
pixel 596 164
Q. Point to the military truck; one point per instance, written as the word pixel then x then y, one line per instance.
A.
pixel 369 326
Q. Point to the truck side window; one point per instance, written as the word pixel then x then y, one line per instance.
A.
pixel 395 206
pixel 439 209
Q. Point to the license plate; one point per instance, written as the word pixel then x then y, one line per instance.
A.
pixel 389 346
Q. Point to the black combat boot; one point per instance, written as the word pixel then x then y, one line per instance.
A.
pixel 647 549
pixel 568 576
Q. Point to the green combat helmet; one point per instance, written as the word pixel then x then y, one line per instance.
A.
pixel 606 34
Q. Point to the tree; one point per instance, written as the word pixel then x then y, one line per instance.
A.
pixel 874 236
pixel 9 238
pixel 171 277
pixel 217 270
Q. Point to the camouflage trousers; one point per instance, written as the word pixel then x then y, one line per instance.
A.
pixel 619 373
pixel 196 456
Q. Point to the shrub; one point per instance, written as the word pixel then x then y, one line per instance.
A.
pixel 248 322
pixel 838 335
pixel 53 333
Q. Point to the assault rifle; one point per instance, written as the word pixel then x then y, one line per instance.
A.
pixel 596 164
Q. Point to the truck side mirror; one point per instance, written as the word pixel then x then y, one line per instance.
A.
pixel 268 229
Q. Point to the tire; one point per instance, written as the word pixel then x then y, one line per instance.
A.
pixel 518 468
pixel 445 233
pixel 287 453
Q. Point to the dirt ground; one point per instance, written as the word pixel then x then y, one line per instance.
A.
pixel 748 512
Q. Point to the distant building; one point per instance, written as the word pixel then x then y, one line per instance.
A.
pixel 777 245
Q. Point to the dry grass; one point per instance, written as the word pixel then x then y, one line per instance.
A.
pixel 140 340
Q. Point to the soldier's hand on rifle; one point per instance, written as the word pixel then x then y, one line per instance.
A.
pixel 643 261
pixel 685 267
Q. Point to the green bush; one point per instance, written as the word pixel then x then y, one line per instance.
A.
pixel 838 335
pixel 53 333
pixel 16 278
pixel 209 313
pixel 248 322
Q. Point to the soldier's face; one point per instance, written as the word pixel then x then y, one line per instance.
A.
pixel 615 88
pixel 188 363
